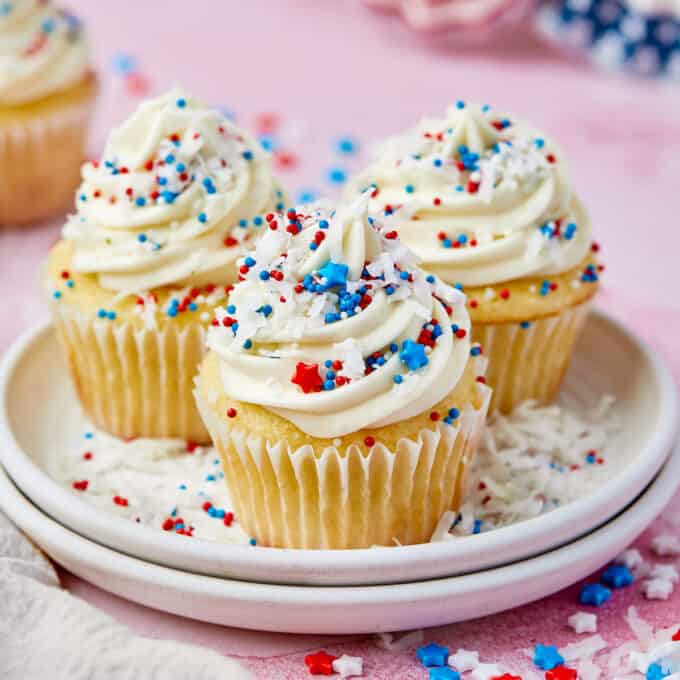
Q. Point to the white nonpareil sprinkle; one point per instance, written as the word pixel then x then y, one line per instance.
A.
pixel 583 649
pixel 388 642
pixel 348 666
pixel 657 589
pixel 582 622
pixel 464 660
pixel 630 558
pixel 665 545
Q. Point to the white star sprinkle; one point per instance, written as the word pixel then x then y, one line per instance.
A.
pixel 666 572
pixel 630 558
pixel 657 589
pixel 486 671
pixel 464 660
pixel 348 666
pixel 665 545
pixel 582 622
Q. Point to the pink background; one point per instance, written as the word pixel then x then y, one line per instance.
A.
pixel 330 69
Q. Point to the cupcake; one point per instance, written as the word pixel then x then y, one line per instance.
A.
pixel 47 92
pixel 486 203
pixel 639 37
pixel 341 387
pixel 151 251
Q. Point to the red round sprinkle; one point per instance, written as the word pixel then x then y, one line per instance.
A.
pixel 228 519
pixel 168 524
pixel 207 505
pixel 504 293
pixel 434 416
pixel 231 413
pixel 87 455
pixel 191 446
pixel 437 201
pixel 461 333
pixel 369 441
pixel 65 275
pixel 81 485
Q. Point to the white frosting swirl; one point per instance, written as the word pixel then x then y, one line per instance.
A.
pixel 177 193
pixel 480 198
pixel 343 295
pixel 42 51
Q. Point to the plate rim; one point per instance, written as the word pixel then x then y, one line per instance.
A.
pixel 314 565
pixel 621 531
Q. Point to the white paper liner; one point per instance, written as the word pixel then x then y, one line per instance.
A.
pixel 134 382
pixel 529 363
pixel 40 161
pixel 346 498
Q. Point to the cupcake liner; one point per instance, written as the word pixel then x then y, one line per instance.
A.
pixel 134 382
pixel 40 160
pixel 346 498
pixel 529 360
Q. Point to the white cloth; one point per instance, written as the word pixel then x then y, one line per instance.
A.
pixel 47 633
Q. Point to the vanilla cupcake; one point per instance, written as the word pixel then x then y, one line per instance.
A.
pixel 47 92
pixel 487 205
pixel 149 254
pixel 342 388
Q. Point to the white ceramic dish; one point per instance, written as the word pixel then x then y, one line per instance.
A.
pixel 39 414
pixel 341 610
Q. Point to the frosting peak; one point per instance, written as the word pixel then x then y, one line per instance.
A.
pixel 335 328
pixel 176 195
pixel 480 197
pixel 42 50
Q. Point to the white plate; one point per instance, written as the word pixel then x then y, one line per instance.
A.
pixel 341 610
pixel 39 414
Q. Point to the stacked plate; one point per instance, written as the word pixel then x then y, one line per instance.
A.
pixel 351 591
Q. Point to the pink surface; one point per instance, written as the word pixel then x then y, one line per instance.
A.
pixel 334 68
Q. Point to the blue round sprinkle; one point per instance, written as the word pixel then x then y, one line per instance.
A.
pixel 181 103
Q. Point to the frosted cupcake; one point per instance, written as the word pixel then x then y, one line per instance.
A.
pixel 149 254
pixel 47 91
pixel 487 205
pixel 342 388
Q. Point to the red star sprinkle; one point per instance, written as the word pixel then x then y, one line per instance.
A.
pixel 307 377
pixel 560 673
pixel 320 663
